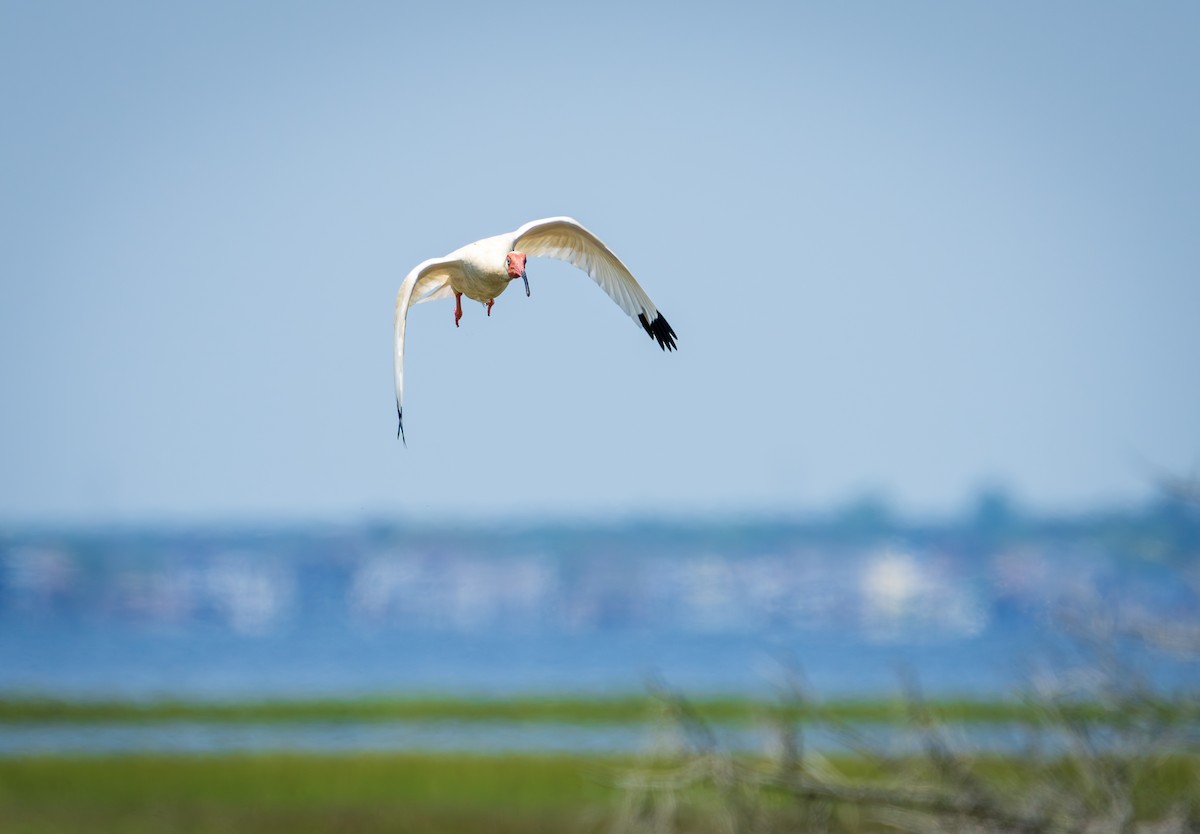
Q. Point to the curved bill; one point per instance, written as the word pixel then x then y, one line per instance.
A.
pixel 525 278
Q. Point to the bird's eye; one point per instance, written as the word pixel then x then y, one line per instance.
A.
pixel 508 261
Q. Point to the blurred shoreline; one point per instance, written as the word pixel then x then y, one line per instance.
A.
pixel 848 602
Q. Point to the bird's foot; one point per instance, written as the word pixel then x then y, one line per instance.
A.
pixel 457 307
pixel 491 301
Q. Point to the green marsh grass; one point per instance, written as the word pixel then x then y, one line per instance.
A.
pixel 558 709
pixel 448 793
pixel 301 793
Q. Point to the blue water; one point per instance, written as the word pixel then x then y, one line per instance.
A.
pixel 703 608
pixel 199 737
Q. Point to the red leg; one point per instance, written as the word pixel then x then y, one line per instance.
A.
pixel 491 301
pixel 457 307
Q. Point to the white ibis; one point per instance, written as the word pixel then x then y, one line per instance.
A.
pixel 483 269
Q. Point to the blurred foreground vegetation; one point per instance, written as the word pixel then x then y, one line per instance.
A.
pixel 472 793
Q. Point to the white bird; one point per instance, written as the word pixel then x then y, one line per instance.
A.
pixel 483 269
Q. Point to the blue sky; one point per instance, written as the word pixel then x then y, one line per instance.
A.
pixel 909 249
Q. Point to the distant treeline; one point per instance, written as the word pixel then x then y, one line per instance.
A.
pixel 1166 528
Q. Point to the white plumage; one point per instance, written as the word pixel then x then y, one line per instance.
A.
pixel 482 270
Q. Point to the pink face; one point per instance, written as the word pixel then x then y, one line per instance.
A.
pixel 515 264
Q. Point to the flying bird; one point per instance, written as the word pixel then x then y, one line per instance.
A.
pixel 483 269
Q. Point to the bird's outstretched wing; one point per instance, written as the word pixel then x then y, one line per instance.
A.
pixel 565 239
pixel 427 281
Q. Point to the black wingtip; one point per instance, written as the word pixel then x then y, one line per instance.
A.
pixel 400 426
pixel 659 330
